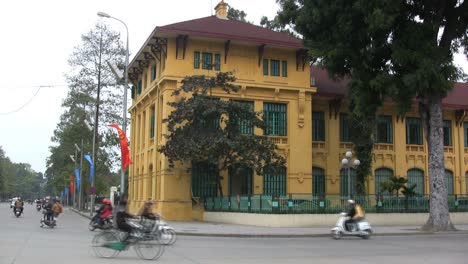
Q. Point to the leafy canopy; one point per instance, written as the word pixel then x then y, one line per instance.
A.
pixel 204 128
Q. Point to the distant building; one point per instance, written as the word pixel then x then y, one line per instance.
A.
pixel 273 71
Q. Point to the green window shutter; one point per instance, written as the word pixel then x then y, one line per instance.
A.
pixel 344 128
pixel 466 182
pixel 449 182
pixel 207 61
pixel 196 60
pixel 275 116
pixel 382 175
pixel 242 178
pixel 318 181
pixel 265 66
pixel 245 125
pixel 284 68
pixel 152 126
pixel 447 133
pixel 139 87
pixel 153 72
pixel 275 67
pixel 344 181
pixel 416 176
pixel 217 62
pixel 204 182
pixel 133 92
pixel 274 181
pixel 465 126
pixel 384 130
pixel 414 131
pixel 318 126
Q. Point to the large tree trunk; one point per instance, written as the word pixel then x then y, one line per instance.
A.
pixel 439 216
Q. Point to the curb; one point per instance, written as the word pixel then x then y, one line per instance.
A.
pixel 421 233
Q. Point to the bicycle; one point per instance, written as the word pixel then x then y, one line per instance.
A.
pixel 109 243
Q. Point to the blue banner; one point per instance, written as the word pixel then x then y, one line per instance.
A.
pixel 91 168
pixel 67 191
pixel 77 177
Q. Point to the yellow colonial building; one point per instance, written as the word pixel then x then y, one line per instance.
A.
pixel 307 110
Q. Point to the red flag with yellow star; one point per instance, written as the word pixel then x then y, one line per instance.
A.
pixel 123 147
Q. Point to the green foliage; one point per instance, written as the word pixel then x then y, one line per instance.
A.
pixel 236 14
pixel 397 185
pixel 88 70
pixel 205 128
pixel 18 179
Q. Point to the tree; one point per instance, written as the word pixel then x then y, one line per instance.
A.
pixel 203 128
pixel 91 83
pixel 401 49
pixel 354 47
pixel 236 14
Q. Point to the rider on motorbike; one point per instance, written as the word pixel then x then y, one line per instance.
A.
pixel 104 211
pixel 147 211
pixel 355 214
pixel 19 204
pixel 49 214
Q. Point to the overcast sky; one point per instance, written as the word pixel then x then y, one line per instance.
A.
pixel 37 38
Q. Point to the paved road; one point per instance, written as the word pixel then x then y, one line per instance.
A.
pixel 22 241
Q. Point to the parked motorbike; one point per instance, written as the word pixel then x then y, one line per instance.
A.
pixel 17 211
pixel 96 223
pixel 48 220
pixel 360 229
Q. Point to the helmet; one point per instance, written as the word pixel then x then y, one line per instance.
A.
pixel 351 202
pixel 106 201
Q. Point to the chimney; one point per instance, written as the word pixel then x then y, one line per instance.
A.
pixel 221 10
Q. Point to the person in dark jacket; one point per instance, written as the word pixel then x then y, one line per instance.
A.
pixel 121 217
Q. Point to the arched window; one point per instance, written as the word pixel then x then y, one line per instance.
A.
pixel 240 180
pixel 274 181
pixel 466 182
pixel 416 176
pixel 382 175
pixel 344 187
pixel 204 180
pixel 318 181
pixel 449 182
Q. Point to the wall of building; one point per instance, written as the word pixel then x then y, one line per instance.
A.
pixel 150 176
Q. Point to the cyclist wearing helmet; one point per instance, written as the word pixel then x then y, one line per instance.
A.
pixel 355 214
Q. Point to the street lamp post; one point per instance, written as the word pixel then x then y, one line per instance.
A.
pixel 124 114
pixel 346 162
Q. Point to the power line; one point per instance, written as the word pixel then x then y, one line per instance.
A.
pixel 32 86
pixel 23 106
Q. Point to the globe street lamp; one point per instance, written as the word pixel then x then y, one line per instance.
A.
pixel 346 162
pixel 124 115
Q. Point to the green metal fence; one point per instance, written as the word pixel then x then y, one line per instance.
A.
pixel 308 204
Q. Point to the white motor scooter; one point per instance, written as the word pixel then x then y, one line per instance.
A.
pixel 361 229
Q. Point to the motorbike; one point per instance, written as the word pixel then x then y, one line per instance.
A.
pixel 96 223
pixel 48 221
pixel 17 211
pixel 360 229
pixel 158 229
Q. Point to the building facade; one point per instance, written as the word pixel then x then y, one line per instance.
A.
pixel 304 108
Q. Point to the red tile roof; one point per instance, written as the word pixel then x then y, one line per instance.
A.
pixel 213 27
pixel 457 98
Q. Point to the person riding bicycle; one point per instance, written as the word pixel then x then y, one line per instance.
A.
pixel 121 220
pixel 355 214
pixel 104 211
pixel 19 204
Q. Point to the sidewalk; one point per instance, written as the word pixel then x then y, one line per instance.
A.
pixel 193 228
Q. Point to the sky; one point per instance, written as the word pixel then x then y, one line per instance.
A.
pixel 38 37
